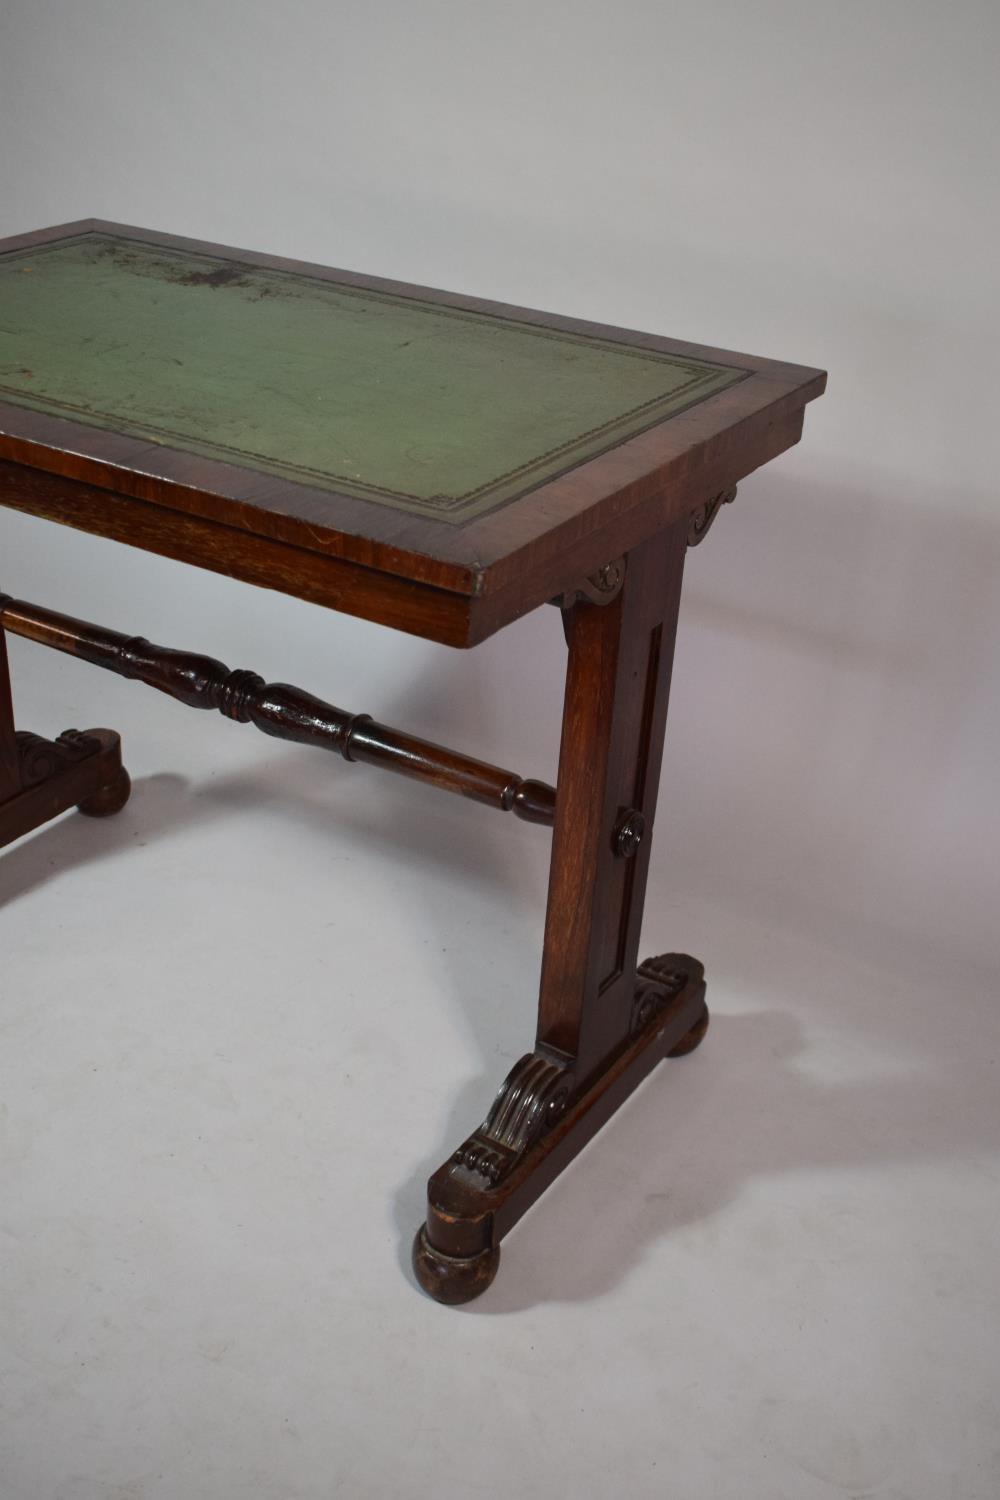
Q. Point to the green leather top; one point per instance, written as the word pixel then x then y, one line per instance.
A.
pixel 404 402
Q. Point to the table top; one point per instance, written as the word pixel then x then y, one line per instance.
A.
pixel 438 438
pixel 396 400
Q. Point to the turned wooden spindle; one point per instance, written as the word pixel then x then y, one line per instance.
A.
pixel 280 710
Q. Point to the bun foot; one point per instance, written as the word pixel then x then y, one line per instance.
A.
pixel 110 799
pixel 452 1279
pixel 691 1039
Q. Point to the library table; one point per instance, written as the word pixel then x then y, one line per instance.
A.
pixel 440 465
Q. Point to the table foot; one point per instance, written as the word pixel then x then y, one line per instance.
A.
pixel 693 1039
pixel 541 1119
pixel 453 1279
pixel 110 799
pixel 81 770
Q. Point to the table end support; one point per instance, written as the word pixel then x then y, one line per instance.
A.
pixel 40 778
pixel 604 1019
pixel 539 1122
pixel 79 769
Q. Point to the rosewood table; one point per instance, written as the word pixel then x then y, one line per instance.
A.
pixel 437 464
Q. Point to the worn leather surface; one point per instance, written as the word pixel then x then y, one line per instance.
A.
pixel 409 403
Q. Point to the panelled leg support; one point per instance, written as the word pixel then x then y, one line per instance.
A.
pixel 39 778
pixel 604 1021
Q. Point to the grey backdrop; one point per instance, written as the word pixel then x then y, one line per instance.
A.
pixel 808 181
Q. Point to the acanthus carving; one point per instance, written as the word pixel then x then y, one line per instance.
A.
pixel 38 758
pixel 702 518
pixel 531 1098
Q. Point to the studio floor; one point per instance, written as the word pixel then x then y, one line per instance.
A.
pixel 244 1020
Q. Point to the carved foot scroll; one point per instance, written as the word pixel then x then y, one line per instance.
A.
pixel 280 710
pixel 82 770
pixel 538 1123
pixel 40 759
pixel 532 1096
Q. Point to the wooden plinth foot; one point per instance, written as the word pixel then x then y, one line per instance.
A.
pixel 541 1119
pixel 453 1279
pixel 76 770
pixel 110 799
pixel 693 1039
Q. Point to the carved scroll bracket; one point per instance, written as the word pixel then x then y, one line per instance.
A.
pixel 702 518
pixel 657 981
pixel 531 1098
pixel 40 759
pixel 600 588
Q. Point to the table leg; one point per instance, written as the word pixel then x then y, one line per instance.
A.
pixel 604 1021
pixel 41 778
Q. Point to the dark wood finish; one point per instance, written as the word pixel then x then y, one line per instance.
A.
pixel 416 608
pixel 702 518
pixel 605 540
pixel 456 1254
pixel 617 685
pixel 81 770
pixel 40 778
pixel 594 1002
pixel 277 709
pixel 502 564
